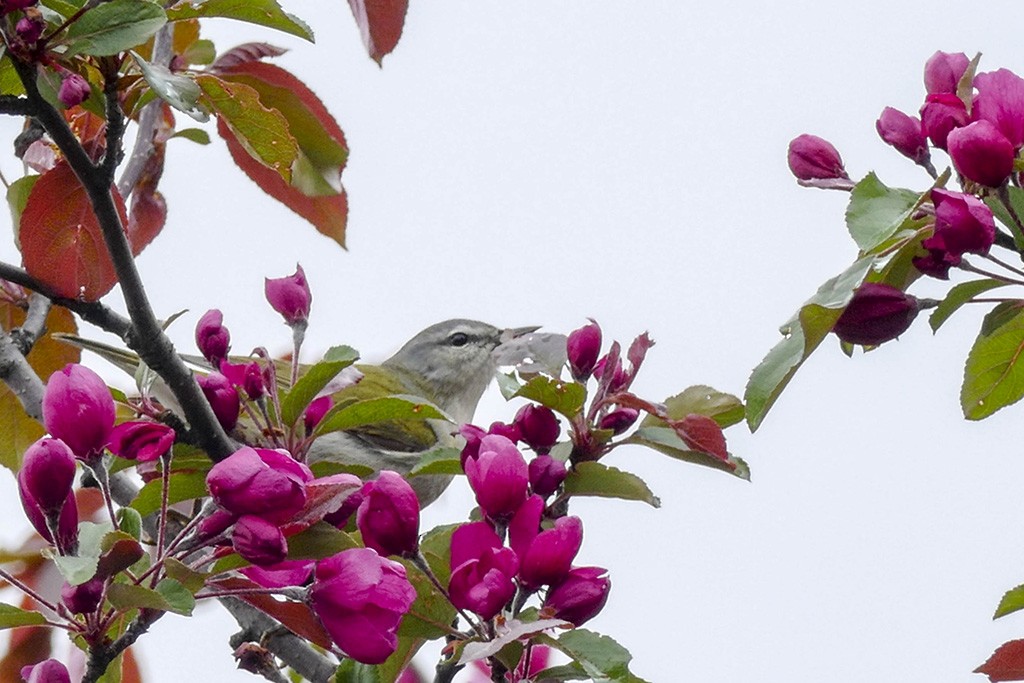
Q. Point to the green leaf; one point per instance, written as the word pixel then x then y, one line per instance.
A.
pixel 196 135
pixel 184 486
pixel 444 460
pixel 179 597
pixel 319 541
pixel 595 479
pixel 78 570
pixel 14 617
pixel 17 198
pixel 130 522
pixel 566 398
pixel 178 90
pixel 1016 196
pixel 802 335
pixel 376 410
pixel 508 384
pixel 725 409
pixel 169 596
pixel 262 132
pixel 261 12
pixel 601 657
pixel 310 384
pixel 185 575
pixel 959 295
pixel 994 375
pixel 666 440
pixel 876 212
pixel 114 27
pixel 1012 601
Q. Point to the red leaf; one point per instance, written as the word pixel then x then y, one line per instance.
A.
pixel 323 496
pixel 246 52
pixel 313 127
pixel 61 242
pixel 1006 663
pixel 380 24
pixel 702 433
pixel 296 617
pixel 148 209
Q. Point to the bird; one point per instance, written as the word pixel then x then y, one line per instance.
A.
pixel 449 364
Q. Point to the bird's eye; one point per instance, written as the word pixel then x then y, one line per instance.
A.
pixel 459 339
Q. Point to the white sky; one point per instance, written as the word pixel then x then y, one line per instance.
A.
pixel 540 163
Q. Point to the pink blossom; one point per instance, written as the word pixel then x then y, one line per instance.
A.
pixel 583 346
pixel 498 476
pixel 580 596
pixel 212 338
pixel 813 158
pixel 258 540
pixel 482 570
pixel 876 314
pixel 981 153
pixel 144 441
pixel 389 516
pixel 48 473
pixel 290 296
pixel 78 409
pixel 260 481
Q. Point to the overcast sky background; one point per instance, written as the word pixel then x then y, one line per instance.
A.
pixel 541 163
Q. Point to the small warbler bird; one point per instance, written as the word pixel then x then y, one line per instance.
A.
pixel 449 365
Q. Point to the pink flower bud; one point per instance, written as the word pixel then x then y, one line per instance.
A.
pixel 905 133
pixel 47 671
pixel 259 541
pixel 258 481
pixel 981 153
pixel 73 90
pixel 482 570
pixel 812 158
pixel 581 596
pixel 83 598
pixel 67 522
pixel 546 475
pixel 29 29
pixel 315 412
pixel 963 224
pixel 583 346
pixel 249 376
pixel 144 441
pixel 78 409
pixel 290 296
pixel 509 431
pixel 943 71
pixel 48 473
pixel 1000 101
pixel 876 314
pixel 940 114
pixel 619 420
pixel 498 476
pixel 216 523
pixel 280 575
pixel 617 380
pixel 222 397
pixel 549 556
pixel 937 263
pixel 212 338
pixel 389 516
pixel 538 427
pixel 360 598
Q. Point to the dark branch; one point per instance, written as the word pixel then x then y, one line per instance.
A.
pixel 23 381
pixel 115 121
pixel 16 106
pixel 35 323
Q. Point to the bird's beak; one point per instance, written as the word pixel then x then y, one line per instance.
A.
pixel 510 333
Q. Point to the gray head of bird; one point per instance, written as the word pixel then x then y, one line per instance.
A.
pixel 452 362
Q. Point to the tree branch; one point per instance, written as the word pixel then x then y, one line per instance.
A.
pixel 23 381
pixel 16 106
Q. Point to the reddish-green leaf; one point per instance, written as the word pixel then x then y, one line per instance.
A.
pixel 701 433
pixel 595 479
pixel 1006 663
pixel 296 617
pixel 314 189
pixel 61 242
pixel 380 24
pixel 262 12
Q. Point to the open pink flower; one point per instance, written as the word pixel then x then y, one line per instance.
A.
pixel 482 570
pixel 360 598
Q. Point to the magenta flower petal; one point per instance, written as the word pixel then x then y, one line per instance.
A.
pixel 290 296
pixel 78 409
pixel 389 516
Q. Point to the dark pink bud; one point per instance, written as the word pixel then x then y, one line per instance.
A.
pixel 498 476
pixel 583 347
pixel 67 522
pixel 981 153
pixel 482 570
pixel 73 90
pixel 389 516
pixel 546 475
pixel 48 473
pixel 581 596
pixel 940 114
pixel 249 376
pixel 943 71
pixel 963 224
pixel 144 441
pixel 30 28
pixel 812 158
pixel 472 434
pixel 616 380
pixel 876 314
pixel 290 296
pixel 315 412
pixel 10 5
pixel 79 410
pixel 549 556
pixel 282 574
pixel 905 133
pixel 360 598
pixel 1000 101
pixel 48 671
pixel 509 431
pixel 222 397
pixel 259 541
pixel 212 338
pixel 216 523
pixel 619 420
pixel 83 598
pixel 538 427
pixel 937 263
pixel 258 481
